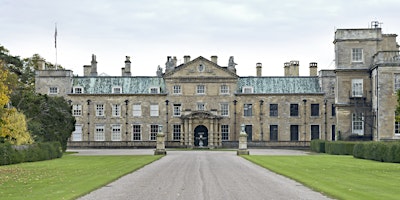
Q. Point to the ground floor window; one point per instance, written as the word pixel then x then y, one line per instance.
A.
pixel 294 132
pixel 397 128
pixel 99 134
pixel 77 134
pixel 153 131
pixel 224 132
pixel 273 132
pixel 358 123
pixel 333 132
pixel 137 132
pixel 314 132
pixel 116 132
pixel 176 132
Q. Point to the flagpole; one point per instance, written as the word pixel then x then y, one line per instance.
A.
pixel 55 43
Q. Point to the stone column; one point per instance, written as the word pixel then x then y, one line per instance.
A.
pixel 160 148
pixel 190 132
pixel 186 129
pixel 182 140
pixel 242 143
pixel 211 135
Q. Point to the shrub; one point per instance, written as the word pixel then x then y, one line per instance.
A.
pixel 318 146
pixel 339 147
pixel 378 151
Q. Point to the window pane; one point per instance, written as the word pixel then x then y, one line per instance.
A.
pixel 314 109
pixel 154 110
pixel 294 110
pixel 153 132
pixel 137 132
pixel 248 110
pixel 273 110
pixel 224 132
pixel 177 132
pixel 116 132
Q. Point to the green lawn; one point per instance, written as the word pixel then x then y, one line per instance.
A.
pixel 341 177
pixel 66 178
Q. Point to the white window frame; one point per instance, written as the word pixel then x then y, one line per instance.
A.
pixel 247 90
pixel 136 132
pixel 177 89
pixel 116 110
pixel 154 110
pixel 99 133
pixel 153 132
pixel 224 132
pixel 357 55
pixel 77 134
pixel 53 90
pixel 201 106
pixel 177 110
pixel 137 110
pixel 396 82
pixel 397 128
pixel 117 90
pixel 78 90
pixel 154 90
pixel 224 109
pixel 224 89
pixel 77 110
pixel 357 123
pixel 100 110
pixel 116 132
pixel 357 87
pixel 200 89
pixel 247 110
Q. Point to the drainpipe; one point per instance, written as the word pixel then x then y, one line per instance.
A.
pixel 326 125
pixel 88 121
pixel 234 118
pixel 305 120
pixel 261 122
pixel 126 120
pixel 166 113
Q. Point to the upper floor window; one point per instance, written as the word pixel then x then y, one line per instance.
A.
pixel 224 109
pixel 248 110
pixel 154 90
pixel 314 110
pixel 294 110
pixel 53 90
pixel 201 106
pixel 116 110
pixel 77 110
pixel 177 89
pixel 224 89
pixel 154 110
pixel 201 89
pixel 357 87
pixel 117 90
pixel 333 110
pixel 273 110
pixel 137 110
pixel 177 110
pixel 100 110
pixel 357 55
pixel 247 90
pixel 78 90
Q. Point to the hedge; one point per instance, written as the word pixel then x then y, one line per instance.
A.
pixel 378 151
pixel 36 152
pixel 318 146
pixel 340 147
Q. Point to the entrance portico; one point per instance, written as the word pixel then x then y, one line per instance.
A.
pixel 201 129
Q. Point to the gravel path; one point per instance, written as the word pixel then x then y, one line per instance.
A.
pixel 203 175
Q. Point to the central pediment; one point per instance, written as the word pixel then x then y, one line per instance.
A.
pixel 201 68
pixel 200 115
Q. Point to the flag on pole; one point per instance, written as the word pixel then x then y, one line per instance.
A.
pixel 55 37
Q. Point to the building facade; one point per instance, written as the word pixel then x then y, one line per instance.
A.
pixel 200 103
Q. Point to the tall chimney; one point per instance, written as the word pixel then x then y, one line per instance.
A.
pixel 127 70
pixel 41 64
pixel 259 69
pixel 93 71
pixel 175 61
pixel 294 68
pixel 86 70
pixel 214 59
pixel 313 69
pixel 186 59
pixel 287 68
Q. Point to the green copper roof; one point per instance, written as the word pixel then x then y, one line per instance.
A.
pixel 129 85
pixel 280 85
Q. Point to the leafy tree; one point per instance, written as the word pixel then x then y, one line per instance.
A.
pixel 4 90
pixel 15 129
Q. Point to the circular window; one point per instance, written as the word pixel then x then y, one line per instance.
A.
pixel 201 68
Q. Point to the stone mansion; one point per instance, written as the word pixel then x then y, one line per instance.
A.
pixel 202 103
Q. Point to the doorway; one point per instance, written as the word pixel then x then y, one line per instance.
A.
pixel 201 136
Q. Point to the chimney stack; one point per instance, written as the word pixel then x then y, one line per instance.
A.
pixel 294 68
pixel 41 64
pixel 313 69
pixel 93 71
pixel 186 59
pixel 287 68
pixel 259 69
pixel 127 70
pixel 175 61
pixel 214 59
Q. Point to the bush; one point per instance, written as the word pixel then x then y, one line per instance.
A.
pixel 378 151
pixel 36 152
pixel 339 147
pixel 318 146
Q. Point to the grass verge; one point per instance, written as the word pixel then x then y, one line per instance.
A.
pixel 66 178
pixel 341 177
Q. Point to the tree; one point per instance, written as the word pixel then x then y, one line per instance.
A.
pixel 4 91
pixel 14 128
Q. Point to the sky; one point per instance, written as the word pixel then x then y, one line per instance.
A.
pixel 271 32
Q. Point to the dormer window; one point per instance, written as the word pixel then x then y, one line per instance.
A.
pixel 247 90
pixel 78 90
pixel 117 90
pixel 154 90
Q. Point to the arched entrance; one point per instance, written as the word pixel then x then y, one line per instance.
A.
pixel 201 136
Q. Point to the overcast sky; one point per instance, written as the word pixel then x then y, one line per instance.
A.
pixel 271 32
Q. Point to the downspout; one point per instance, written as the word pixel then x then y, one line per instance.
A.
pixel 326 125
pixel 261 120
pixel 234 118
pixel 305 119
pixel 377 103
pixel 166 120
pixel 126 120
pixel 88 121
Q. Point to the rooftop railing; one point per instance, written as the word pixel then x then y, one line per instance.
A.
pixel 384 57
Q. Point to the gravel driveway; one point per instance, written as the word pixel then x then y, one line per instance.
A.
pixel 202 175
